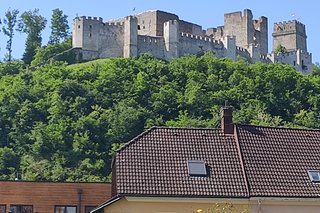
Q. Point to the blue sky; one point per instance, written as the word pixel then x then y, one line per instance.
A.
pixel 208 13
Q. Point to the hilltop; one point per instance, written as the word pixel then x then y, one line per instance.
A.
pixel 62 122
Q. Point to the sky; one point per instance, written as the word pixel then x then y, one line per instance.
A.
pixel 207 13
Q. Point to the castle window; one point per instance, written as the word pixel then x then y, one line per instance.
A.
pixel 144 27
pixel 294 63
pixel 138 27
pixel 78 26
pixel 90 34
pixel 90 26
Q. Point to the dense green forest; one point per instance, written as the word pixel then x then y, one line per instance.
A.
pixel 63 122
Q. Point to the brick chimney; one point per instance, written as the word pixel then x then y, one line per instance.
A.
pixel 226 120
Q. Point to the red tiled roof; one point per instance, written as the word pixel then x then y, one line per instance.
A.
pixel 277 160
pixel 155 164
pixel 256 161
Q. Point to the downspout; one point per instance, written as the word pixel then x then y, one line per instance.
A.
pixel 259 206
pixel 79 200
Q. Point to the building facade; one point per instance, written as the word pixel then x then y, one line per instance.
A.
pixel 51 197
pixel 165 36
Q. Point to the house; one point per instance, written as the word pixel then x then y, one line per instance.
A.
pixel 255 168
pixel 51 197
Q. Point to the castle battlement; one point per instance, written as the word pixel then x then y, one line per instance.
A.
pixel 128 18
pixel 286 26
pixel 264 57
pixel 202 38
pixel 165 36
pixel 174 22
pixel 290 53
pixel 91 18
pixel 304 52
pixel 241 49
pixel 289 22
pixel 114 23
pixel 150 39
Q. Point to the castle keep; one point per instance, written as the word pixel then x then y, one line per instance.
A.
pixel 165 36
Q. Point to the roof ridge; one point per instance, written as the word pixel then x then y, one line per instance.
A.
pixel 280 127
pixel 241 159
pixel 186 128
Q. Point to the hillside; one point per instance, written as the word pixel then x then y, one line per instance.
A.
pixel 62 122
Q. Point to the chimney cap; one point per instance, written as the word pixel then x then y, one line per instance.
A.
pixel 226 111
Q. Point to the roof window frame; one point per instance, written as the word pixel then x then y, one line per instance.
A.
pixel 197 168
pixel 314 176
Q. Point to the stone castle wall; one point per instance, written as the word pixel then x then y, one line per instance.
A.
pixel 98 39
pixel 150 44
pixel 197 45
pixel 165 36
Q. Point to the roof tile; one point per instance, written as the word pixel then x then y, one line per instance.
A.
pixel 155 163
pixel 277 160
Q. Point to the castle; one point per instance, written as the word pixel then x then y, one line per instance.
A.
pixel 166 36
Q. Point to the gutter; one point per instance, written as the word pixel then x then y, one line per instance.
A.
pixel 107 203
pixel 169 199
pixel 285 199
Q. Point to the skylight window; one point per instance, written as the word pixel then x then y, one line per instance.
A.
pixel 314 176
pixel 197 168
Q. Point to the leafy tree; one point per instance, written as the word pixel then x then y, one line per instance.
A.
pixel 9 163
pixel 0 25
pixel 63 122
pixel 316 69
pixel 227 207
pixel 54 52
pixel 9 21
pixel 32 24
pixel 11 68
pixel 280 49
pixel 59 26
pixel 310 119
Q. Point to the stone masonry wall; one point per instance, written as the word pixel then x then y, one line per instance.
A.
pixel 111 40
pixel 150 44
pixel 197 45
pixel 187 27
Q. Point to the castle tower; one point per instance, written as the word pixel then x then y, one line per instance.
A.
pixel 230 47
pixel 77 33
pixel 291 35
pixel 130 46
pixel 171 39
pixel 85 33
pixel 255 52
pixel 261 34
pixel 246 30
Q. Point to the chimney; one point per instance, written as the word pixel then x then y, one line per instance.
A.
pixel 226 120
